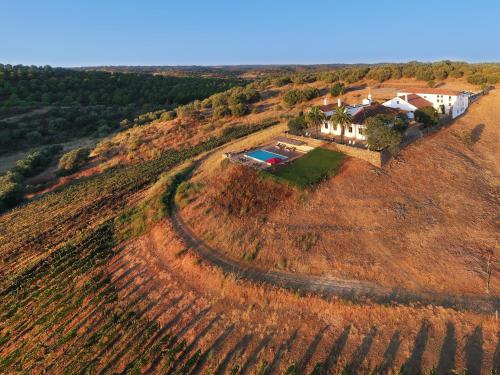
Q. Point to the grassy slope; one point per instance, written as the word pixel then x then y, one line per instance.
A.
pixel 310 169
pixel 406 225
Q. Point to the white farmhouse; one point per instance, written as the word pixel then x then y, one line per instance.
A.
pixel 450 102
pixel 360 113
pixel 408 103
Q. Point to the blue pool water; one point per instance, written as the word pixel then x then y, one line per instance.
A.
pixel 264 155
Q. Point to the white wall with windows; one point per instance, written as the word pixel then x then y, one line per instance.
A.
pixel 453 105
pixel 352 131
pixel 399 103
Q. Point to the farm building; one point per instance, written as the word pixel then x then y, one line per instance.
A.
pixel 360 113
pixel 445 101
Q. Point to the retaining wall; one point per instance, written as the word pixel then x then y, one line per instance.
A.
pixel 376 158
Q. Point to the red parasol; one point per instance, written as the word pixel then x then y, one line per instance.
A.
pixel 273 161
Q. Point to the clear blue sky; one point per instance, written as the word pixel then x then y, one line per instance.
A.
pixel 214 32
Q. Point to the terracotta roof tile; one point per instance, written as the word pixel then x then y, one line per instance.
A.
pixel 373 110
pixel 328 107
pixel 429 90
pixel 416 100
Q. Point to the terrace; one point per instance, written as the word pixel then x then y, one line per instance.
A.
pixel 331 138
pixel 281 151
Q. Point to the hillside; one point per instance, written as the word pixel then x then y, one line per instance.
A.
pixel 404 226
pixel 95 278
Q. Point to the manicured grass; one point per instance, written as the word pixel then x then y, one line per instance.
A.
pixel 313 167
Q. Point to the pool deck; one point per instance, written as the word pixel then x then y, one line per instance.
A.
pixel 241 158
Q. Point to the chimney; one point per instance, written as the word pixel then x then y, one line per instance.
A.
pixel 325 101
pixel 339 102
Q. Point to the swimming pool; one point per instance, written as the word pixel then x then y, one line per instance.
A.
pixel 263 155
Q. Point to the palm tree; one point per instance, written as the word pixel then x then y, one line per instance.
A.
pixel 316 117
pixel 343 118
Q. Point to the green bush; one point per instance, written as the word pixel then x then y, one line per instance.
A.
pixel 381 135
pixel 221 111
pixel 427 116
pixel 168 115
pixel 11 191
pixel 337 89
pixel 293 97
pixel 73 160
pixel 239 109
pixel 298 124
pixel 37 160
pixel 282 81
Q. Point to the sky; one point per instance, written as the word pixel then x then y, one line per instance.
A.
pixel 233 32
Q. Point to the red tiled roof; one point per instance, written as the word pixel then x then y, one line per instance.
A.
pixel 327 107
pixel 416 100
pixel 429 90
pixel 373 110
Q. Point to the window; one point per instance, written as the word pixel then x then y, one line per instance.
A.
pixel 449 98
pixel 397 101
pixel 350 129
pixel 326 125
pixel 360 131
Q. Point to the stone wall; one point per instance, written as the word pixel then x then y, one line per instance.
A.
pixel 376 158
pixel 309 141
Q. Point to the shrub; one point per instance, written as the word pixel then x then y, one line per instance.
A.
pixel 306 242
pixel 310 93
pixel 298 124
pixel 337 89
pixel 36 160
pixel 282 81
pixel 293 97
pixel 239 109
pixel 381 73
pixel 485 88
pixel 427 116
pixel 381 134
pixel 221 111
pixel 401 122
pixel 73 160
pixel 190 110
pixel 168 115
pixel 11 191
pixel 466 136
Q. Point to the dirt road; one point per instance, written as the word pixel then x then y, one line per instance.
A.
pixel 328 287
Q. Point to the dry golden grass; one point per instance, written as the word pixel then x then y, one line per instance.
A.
pixel 427 221
pixel 259 311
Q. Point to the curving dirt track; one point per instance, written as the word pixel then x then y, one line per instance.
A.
pixel 327 287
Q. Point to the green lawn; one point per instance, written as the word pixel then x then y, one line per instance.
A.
pixel 313 167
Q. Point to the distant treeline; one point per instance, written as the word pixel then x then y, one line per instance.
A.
pixel 30 85
pixel 477 74
pixel 87 103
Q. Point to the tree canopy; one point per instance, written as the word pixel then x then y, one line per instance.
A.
pixel 382 134
pixel 427 116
